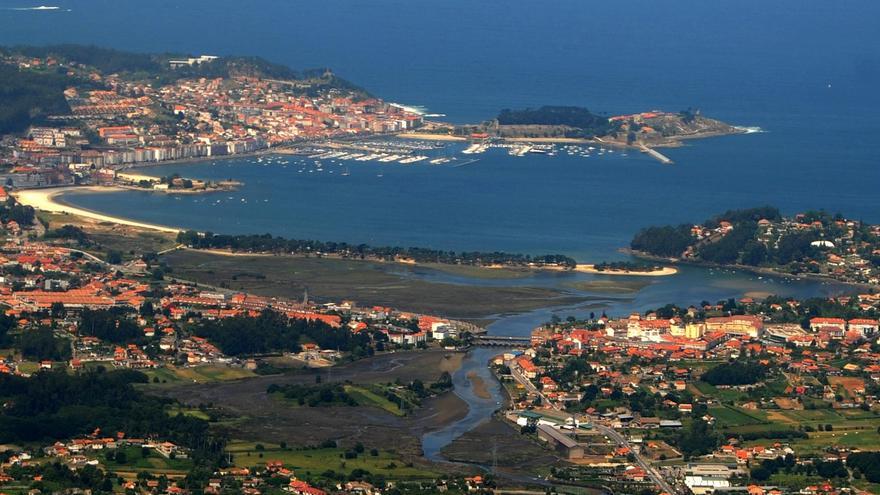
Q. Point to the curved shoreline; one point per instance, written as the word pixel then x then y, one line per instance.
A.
pixel 46 200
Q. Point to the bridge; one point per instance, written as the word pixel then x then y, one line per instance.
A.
pixel 502 341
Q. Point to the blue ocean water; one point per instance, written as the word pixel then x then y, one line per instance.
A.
pixel 804 71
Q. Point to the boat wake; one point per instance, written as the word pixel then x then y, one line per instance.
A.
pixel 750 130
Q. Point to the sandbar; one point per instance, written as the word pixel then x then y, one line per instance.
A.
pixel 44 199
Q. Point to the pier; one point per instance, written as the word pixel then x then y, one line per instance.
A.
pixel 665 160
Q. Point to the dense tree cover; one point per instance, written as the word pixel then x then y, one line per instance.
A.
pixel 581 118
pixel 749 436
pixel 313 396
pixel 7 323
pixel 155 66
pixel 739 246
pixel 57 477
pixel 10 210
pixel 665 241
pixel 625 265
pixel 746 215
pixel 267 243
pixel 70 232
pixel 788 465
pixel 27 97
pixel 273 332
pixel 866 462
pixel 112 325
pixel 54 405
pixel 698 439
pixel 736 373
pixel 727 249
pixel 43 344
pixel 795 246
pixel 106 60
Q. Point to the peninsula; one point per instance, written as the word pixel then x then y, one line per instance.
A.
pixel 813 243
pixel 78 115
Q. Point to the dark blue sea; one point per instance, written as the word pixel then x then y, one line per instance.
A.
pixel 805 72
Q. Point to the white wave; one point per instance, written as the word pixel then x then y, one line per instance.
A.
pixel 416 109
pixel 749 130
pixel 434 115
pixel 41 7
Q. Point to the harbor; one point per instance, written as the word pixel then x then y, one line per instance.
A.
pixel 394 150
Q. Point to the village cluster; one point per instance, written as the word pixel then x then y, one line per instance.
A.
pixel 616 395
pixel 839 248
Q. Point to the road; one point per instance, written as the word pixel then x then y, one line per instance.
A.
pixel 611 433
pixel 621 441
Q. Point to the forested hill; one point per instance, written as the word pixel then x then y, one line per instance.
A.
pixel 31 92
pixel 580 120
pixel 27 97
pixel 811 242
pixel 155 65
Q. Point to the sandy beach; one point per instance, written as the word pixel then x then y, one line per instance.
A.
pixel 44 199
pixel 662 272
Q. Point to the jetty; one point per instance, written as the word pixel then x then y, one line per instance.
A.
pixel 660 157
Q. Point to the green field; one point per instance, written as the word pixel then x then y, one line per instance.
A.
pixel 316 461
pixel 187 411
pixel 727 416
pixel 367 397
pixel 725 395
pixel 153 463
pixel 197 374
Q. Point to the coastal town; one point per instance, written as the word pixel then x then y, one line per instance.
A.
pixel 118 120
pixel 123 371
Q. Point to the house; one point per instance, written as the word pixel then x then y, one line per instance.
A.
pixel 831 326
pixel 866 327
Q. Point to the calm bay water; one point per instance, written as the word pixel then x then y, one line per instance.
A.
pixel 802 71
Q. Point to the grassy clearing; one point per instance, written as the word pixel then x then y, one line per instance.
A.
pixel 130 241
pixel 197 374
pixel 819 441
pixel 728 416
pixel 153 463
pixel 366 397
pixel 187 411
pixel 726 395
pixel 316 461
